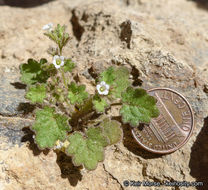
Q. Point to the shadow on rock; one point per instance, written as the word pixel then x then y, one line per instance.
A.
pixel 32 145
pixel 18 85
pixel 24 3
pixel 68 170
pixel 131 144
pixel 25 108
pixel 199 157
pixel 203 4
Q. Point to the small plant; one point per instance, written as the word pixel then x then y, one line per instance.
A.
pixel 72 120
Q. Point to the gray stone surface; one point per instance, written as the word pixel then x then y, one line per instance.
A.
pixel 12 93
pixel 14 131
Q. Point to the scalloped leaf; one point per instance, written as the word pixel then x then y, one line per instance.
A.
pixel 112 130
pixel 50 127
pixel 117 78
pixel 121 82
pixel 32 72
pixel 68 65
pixel 108 75
pixel 87 150
pixel 77 93
pixel 99 104
pixel 138 106
pixel 36 94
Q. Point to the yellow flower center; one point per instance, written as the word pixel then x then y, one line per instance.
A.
pixel 58 61
pixel 102 88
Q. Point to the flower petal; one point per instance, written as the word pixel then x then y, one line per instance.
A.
pixel 105 92
pixel 62 63
pixel 61 57
pixel 101 92
pixel 103 83
pixel 50 24
pixel 98 87
pixel 107 86
pixel 54 62
pixel 45 27
pixel 57 66
pixel 55 57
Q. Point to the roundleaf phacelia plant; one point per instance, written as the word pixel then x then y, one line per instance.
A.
pixel 71 120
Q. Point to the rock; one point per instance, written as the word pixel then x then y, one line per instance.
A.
pixel 20 159
pixel 18 165
pixel 11 132
pixel 11 93
pixel 200 147
pixel 161 45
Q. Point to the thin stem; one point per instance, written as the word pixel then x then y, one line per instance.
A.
pixel 65 98
pixel 69 105
pixel 116 104
pixel 53 79
pixel 86 109
pixel 60 49
pixel 64 79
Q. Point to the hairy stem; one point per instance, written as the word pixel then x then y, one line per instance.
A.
pixel 64 79
pixel 84 110
pixel 60 49
pixel 116 104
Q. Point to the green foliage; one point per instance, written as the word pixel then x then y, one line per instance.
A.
pixel 58 94
pixel 108 75
pixel 36 94
pixel 47 84
pixel 77 93
pixel 59 36
pixel 99 104
pixel 89 150
pixel 32 72
pixel 69 65
pixel 117 78
pixel 121 82
pixel 50 127
pixel 112 130
pixel 50 69
pixel 138 106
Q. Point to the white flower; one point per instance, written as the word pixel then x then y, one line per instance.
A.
pixel 59 146
pixel 58 61
pixel 103 88
pixel 48 27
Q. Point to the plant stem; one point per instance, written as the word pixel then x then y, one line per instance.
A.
pixel 116 104
pixel 53 79
pixel 86 109
pixel 64 79
pixel 60 49
pixel 65 98
pixel 69 105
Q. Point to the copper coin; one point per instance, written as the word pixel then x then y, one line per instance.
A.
pixel 172 128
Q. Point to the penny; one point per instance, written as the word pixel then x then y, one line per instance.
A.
pixel 172 128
